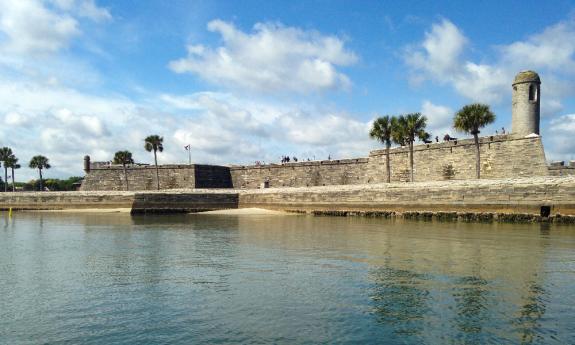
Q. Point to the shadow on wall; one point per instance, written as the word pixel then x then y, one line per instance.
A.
pixel 159 203
pixel 212 176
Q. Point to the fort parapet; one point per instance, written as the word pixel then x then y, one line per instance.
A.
pixel 502 156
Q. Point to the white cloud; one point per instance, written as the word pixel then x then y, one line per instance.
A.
pixel 228 128
pixel 551 49
pixel 560 134
pixel 439 119
pixel 65 124
pixel 439 54
pixel 30 27
pixel 33 27
pixel 271 58
pixel 16 119
pixel 440 57
pixel 84 8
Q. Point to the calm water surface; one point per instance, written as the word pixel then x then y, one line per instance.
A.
pixel 207 279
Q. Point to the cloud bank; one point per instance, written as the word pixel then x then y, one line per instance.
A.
pixel 271 58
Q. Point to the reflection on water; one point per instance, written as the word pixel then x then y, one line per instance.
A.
pixel 400 300
pixel 112 278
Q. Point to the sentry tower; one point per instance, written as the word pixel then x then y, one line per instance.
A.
pixel 526 103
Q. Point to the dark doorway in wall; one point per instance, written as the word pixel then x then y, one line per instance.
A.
pixel 545 211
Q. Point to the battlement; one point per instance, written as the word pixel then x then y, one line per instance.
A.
pixel 503 156
pixel 301 164
pixel 491 139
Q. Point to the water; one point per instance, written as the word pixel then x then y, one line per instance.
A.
pixel 207 279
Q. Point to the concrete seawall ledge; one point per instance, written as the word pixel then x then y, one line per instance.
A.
pixel 535 198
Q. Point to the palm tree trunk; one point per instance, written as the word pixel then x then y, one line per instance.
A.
pixel 13 183
pixel 5 177
pixel 387 164
pixel 157 172
pixel 126 176
pixel 477 156
pixel 41 182
pixel 411 160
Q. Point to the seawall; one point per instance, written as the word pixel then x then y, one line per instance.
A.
pixel 555 195
pixel 533 197
pixel 138 202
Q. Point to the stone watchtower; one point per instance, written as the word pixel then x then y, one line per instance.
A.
pixel 526 103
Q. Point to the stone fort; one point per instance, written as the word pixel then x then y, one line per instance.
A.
pixel 516 154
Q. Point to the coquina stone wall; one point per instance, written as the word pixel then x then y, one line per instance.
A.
pixel 111 177
pixel 512 196
pixel 502 156
pixel 137 202
pixel 533 197
pixel 302 174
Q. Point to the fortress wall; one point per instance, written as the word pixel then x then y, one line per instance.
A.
pixel 301 174
pixel 514 196
pixel 106 177
pixel 139 177
pixel 502 156
pixel 561 170
pixel 520 196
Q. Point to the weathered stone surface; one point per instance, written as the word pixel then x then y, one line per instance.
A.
pixel 525 103
pixel 302 174
pixel 514 196
pixel 111 177
pixel 562 170
pixel 520 199
pixel 502 156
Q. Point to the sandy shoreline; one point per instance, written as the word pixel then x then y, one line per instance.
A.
pixel 248 211
pixel 83 210
pixel 239 211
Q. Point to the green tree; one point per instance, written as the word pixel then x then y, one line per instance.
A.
pixel 381 131
pixel 124 157
pixel 40 162
pixel 406 129
pixel 5 153
pixel 155 143
pixel 12 163
pixel 470 119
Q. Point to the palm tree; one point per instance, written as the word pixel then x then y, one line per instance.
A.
pixel 124 157
pixel 39 162
pixel 381 130
pixel 407 128
pixel 12 163
pixel 5 153
pixel 155 143
pixel 470 119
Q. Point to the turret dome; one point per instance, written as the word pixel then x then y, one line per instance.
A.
pixel 526 77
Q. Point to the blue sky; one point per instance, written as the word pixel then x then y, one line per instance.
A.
pixel 252 80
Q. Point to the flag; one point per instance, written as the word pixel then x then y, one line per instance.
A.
pixel 187 147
